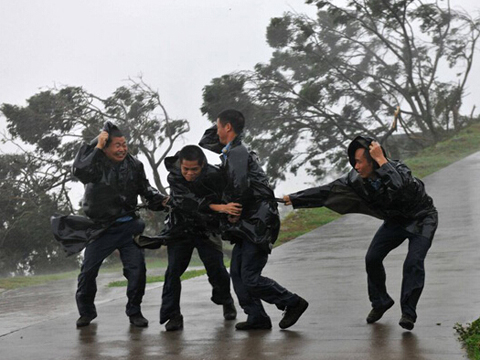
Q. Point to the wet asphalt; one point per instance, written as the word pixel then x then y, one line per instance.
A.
pixel 325 266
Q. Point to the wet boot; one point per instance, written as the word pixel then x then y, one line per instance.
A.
pixel 293 313
pixel 229 311
pixel 175 323
pixel 138 320
pixel 377 313
pixel 85 320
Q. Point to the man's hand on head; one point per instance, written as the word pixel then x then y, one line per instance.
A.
pixel 376 152
pixel 102 139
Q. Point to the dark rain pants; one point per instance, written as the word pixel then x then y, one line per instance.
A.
pixel 387 238
pixel 248 261
pixel 119 236
pixel 179 256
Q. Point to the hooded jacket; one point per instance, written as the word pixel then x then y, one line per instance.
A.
pixel 189 201
pixel 394 195
pixel 247 184
pixel 112 189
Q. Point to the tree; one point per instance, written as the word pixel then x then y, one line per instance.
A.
pixel 56 121
pixel 344 73
pixel 25 210
pixel 48 132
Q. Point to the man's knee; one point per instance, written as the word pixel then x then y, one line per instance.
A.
pixel 373 259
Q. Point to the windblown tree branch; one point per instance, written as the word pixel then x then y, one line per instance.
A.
pixel 344 73
pixel 48 131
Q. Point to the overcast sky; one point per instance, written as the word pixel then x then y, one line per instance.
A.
pixel 177 45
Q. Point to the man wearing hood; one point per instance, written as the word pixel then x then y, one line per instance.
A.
pixel 386 189
pixel 194 186
pixel 253 230
pixel 113 181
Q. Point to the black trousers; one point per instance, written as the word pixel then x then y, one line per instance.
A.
pixel 387 238
pixel 179 256
pixel 248 261
pixel 133 259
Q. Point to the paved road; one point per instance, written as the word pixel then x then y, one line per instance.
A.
pixel 326 266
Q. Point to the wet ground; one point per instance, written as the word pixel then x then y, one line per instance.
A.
pixel 326 266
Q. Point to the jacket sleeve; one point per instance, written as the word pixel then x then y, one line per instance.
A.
pixel 396 177
pixel 181 198
pixel 315 196
pixel 215 182
pixel 153 196
pixel 338 196
pixel 87 166
pixel 210 140
pixel 185 200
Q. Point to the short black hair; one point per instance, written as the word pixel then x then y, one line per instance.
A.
pixel 369 158
pixel 233 117
pixel 192 153
pixel 113 131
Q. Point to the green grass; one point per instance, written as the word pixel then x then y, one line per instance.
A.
pixel 161 278
pixel 469 335
pixel 422 164
pixel 444 153
pixel 23 281
pixel 302 221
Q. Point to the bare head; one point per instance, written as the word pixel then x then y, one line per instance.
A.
pixel 230 123
pixel 192 160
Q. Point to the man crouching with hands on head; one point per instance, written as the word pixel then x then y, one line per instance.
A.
pixel 385 189
pixel 113 180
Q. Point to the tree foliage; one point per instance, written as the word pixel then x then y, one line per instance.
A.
pixel 48 131
pixel 343 74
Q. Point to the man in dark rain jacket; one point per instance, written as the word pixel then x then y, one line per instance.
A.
pixel 387 190
pixel 194 186
pixel 113 180
pixel 254 230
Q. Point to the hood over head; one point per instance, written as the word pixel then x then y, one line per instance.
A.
pixel 357 143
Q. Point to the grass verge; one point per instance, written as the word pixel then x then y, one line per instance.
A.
pixel 160 278
pixel 426 162
pixel 23 281
pixel 469 335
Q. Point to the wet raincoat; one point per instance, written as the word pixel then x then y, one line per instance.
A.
pixel 247 184
pixel 111 192
pixel 190 213
pixel 395 195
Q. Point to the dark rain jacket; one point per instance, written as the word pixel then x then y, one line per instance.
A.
pixel 394 196
pixel 247 184
pixel 190 213
pixel 111 190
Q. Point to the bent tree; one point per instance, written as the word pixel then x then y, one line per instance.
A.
pixel 344 72
pixel 48 131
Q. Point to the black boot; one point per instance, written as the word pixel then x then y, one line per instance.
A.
pixel 138 320
pixel 406 322
pixel 293 313
pixel 85 320
pixel 377 313
pixel 175 323
pixel 245 325
pixel 229 311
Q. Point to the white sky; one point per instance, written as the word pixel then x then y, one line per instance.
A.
pixel 177 45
